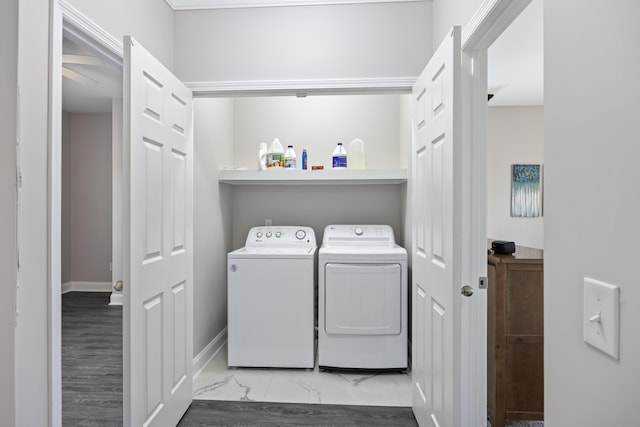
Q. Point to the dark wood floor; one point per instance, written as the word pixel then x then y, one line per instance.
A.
pixel 91 360
pixel 92 382
pixel 257 414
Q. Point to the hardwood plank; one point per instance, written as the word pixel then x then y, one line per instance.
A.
pixel 254 414
pixel 91 360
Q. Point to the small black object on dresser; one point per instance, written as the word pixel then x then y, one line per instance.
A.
pixel 503 247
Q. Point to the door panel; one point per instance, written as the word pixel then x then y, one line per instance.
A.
pixel 158 211
pixel 437 238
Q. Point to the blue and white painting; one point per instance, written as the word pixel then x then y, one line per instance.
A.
pixel 526 191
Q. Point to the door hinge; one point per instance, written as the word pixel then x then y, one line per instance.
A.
pixel 483 283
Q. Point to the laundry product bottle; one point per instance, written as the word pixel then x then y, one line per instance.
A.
pixel 290 158
pixel 262 157
pixel 356 154
pixel 275 155
pixel 304 159
pixel 339 157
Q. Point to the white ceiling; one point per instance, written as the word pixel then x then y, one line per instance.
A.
pixel 92 94
pixel 515 63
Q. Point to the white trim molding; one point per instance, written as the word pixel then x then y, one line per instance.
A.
pixel 80 29
pixel 116 298
pixel 209 352
pixel 489 21
pixel 86 287
pixel 302 87
pixel 237 4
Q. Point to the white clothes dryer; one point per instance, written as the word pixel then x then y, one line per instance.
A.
pixel 270 293
pixel 362 299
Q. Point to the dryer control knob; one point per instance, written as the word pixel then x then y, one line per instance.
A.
pixel 359 231
pixel 301 234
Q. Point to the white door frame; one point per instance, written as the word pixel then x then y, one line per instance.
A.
pixel 486 25
pixel 68 22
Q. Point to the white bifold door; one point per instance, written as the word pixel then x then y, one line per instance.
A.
pixel 437 239
pixel 158 241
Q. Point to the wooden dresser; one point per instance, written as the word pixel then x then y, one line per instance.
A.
pixel 515 379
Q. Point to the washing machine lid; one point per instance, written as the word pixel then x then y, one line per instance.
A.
pixel 290 252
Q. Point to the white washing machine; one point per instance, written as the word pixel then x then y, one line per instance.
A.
pixel 362 299
pixel 270 292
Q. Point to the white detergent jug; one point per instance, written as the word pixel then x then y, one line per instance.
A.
pixel 262 157
pixel 339 157
pixel 275 155
pixel 356 154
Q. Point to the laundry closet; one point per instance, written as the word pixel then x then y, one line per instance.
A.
pixel 227 136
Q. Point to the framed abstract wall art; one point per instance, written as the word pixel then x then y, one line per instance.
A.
pixel 526 191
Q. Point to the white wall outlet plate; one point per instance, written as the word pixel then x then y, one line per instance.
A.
pixel 601 318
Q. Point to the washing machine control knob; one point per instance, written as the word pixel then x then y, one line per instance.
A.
pixel 359 231
pixel 269 234
pixel 259 234
pixel 301 234
pixel 278 234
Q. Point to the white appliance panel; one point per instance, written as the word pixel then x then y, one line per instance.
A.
pixel 363 299
pixel 270 312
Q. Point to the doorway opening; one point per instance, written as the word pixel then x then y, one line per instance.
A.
pixel 91 328
pixel 515 143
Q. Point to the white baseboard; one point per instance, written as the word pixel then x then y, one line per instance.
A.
pixel 209 352
pixel 116 298
pixel 86 287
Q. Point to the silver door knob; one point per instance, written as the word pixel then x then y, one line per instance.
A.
pixel 466 290
pixel 118 285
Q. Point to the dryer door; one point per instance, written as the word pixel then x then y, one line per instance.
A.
pixel 363 299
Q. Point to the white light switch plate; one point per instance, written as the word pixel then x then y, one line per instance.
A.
pixel 601 318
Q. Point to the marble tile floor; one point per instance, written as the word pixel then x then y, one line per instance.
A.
pixel 219 382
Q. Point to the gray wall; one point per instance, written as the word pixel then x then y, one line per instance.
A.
pixel 592 204
pixel 8 78
pixel 308 42
pixel 148 21
pixel 318 123
pixel 86 207
pixel 448 13
pixel 66 198
pixel 516 135
pixel 316 206
pixel 213 144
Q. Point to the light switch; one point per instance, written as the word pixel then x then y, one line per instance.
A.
pixel 601 318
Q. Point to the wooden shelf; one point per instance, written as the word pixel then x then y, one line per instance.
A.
pixel 311 177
